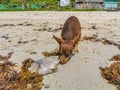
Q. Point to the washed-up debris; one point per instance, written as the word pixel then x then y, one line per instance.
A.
pixel 91 38
pixel 51 53
pixel 42 29
pixel 112 74
pixel 3 58
pixel 33 52
pixel 20 24
pixel 7 25
pixel 37 29
pixel 116 57
pixel 10 79
pixel 94 27
pixel 45 65
pixel 23 42
pixel 26 64
pixel 8 76
pixel 28 24
pixel 25 24
pixel 49 29
pixel 102 40
pixel 56 29
pixel 30 80
pixel 5 37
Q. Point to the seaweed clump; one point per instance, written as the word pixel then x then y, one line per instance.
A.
pixel 8 76
pixel 116 57
pixel 51 53
pixel 30 81
pixel 112 74
pixel 10 79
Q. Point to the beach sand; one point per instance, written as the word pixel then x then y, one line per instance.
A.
pixel 29 34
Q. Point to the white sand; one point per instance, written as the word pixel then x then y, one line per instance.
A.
pixel 82 71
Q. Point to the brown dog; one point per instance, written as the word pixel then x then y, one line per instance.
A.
pixel 71 34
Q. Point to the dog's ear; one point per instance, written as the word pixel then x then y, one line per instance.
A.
pixel 59 40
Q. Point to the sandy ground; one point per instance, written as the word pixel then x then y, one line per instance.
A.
pixel 28 34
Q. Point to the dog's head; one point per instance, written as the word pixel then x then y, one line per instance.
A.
pixel 65 49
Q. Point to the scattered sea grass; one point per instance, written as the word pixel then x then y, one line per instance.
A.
pixel 105 41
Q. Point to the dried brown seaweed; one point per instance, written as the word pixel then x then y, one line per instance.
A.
pixel 28 79
pixel 6 57
pixel 116 57
pixel 105 41
pixel 91 38
pixel 112 74
pixel 10 79
pixel 8 76
pixel 26 64
pixel 51 53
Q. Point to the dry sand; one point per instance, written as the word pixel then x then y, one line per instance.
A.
pixel 28 34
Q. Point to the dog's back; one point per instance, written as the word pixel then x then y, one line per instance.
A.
pixel 71 28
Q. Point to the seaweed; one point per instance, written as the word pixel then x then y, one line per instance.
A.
pixel 51 53
pixel 6 57
pixel 91 38
pixel 105 41
pixel 30 80
pixel 11 79
pixel 116 57
pixel 112 74
pixel 8 75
